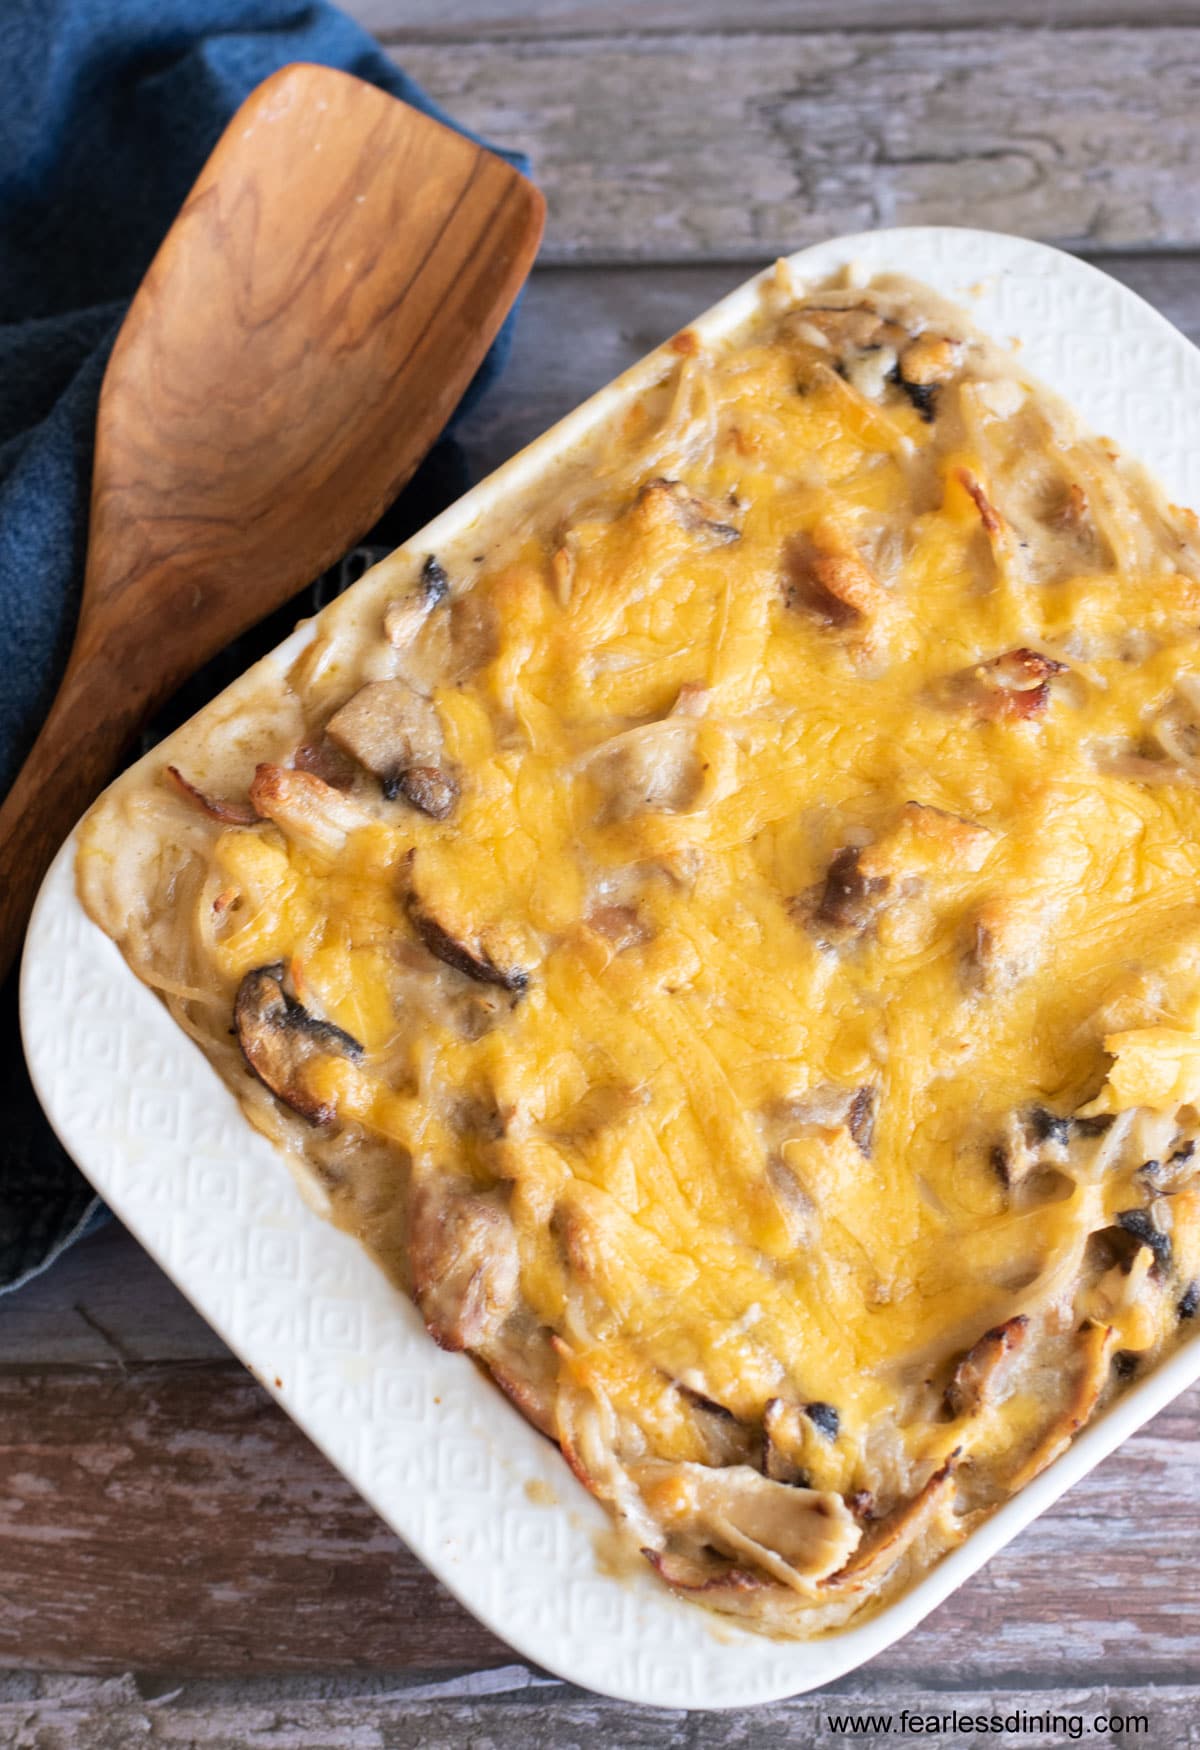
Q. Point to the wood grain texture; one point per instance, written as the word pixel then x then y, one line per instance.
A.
pixel 472 19
pixel 277 379
pixel 173 1519
pixel 527 1715
pixel 673 147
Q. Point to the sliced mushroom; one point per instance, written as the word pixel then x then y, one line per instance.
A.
pixel 663 498
pixel 706 1572
pixel 310 811
pixel 1165 1176
pixel 824 1418
pixel 852 898
pixel 462 1254
pixel 860 1119
pixel 216 807
pixel 282 1042
pixel 1144 1228
pixel 473 961
pixel 826 578
pixel 1094 1344
pixel 428 788
pixel 724 1438
pixel 404 617
pixel 980 1374
pixel 395 733
pixel 864 345
pixel 862 881
pixel 882 1549
pixel 525 1367
pixel 798 1536
pixel 325 761
pixel 924 365
pixel 1032 1139
pixel 1010 687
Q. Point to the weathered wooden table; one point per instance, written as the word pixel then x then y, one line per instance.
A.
pixel 177 1564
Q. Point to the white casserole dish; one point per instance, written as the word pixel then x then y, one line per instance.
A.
pixel 430 1442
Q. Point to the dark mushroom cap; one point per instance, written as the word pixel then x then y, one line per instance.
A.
pixel 281 1041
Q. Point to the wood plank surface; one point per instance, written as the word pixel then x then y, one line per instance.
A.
pixel 669 146
pixel 171 1518
pixel 527 1715
pixel 472 19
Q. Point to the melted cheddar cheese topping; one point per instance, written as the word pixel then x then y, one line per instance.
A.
pixel 827 829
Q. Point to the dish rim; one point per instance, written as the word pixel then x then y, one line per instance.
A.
pixel 765 1669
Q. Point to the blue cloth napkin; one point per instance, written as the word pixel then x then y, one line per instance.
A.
pixel 111 108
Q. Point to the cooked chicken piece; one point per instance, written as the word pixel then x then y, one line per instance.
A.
pixel 826 578
pixel 619 924
pixel 692 700
pixel 929 360
pixel 282 1042
pixel 314 814
pixel 1010 687
pixel 395 732
pixel 980 1375
pixel 1005 938
pixel 796 1535
pixel 404 617
pixel 1176 728
pixel 662 499
pixel 657 767
pixel 462 1253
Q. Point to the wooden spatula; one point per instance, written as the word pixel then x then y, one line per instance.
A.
pixel 304 332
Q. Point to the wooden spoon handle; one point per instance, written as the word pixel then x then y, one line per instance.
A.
pixel 93 720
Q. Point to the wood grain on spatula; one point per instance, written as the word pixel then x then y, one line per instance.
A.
pixel 309 324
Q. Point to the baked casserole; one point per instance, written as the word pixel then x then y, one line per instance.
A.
pixel 726 941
